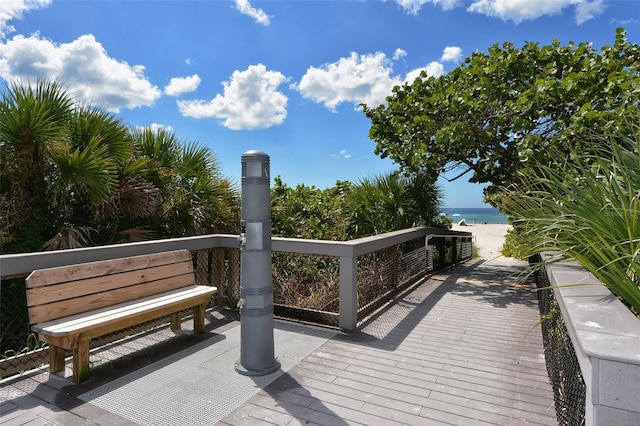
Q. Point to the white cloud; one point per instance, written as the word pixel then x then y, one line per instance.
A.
pixel 413 6
pixel 515 10
pixel 434 69
pixel 344 154
pixel 523 10
pixel 451 54
pixel 623 22
pixel 83 65
pixel 180 85
pixel 356 79
pixel 13 9
pixel 250 101
pixel 155 127
pixel 586 10
pixel 399 53
pixel 257 14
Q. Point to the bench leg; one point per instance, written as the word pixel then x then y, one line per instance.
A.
pixel 81 361
pixel 56 359
pixel 176 321
pixel 198 319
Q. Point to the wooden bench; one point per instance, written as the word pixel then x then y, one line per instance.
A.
pixel 69 305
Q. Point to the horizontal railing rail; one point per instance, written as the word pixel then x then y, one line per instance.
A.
pixel 25 263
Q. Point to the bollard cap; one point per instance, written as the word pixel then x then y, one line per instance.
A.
pixel 255 165
pixel 255 155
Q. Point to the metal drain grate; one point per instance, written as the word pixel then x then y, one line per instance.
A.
pixel 200 386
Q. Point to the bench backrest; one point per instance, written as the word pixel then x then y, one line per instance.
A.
pixel 67 290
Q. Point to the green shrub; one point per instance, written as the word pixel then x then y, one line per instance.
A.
pixel 514 246
pixel 588 210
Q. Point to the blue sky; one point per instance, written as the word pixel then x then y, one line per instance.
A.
pixel 285 77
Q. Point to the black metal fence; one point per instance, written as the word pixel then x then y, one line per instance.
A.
pixel 564 372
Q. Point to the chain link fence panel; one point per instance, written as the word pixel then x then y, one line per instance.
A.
pixel 306 287
pixel 564 372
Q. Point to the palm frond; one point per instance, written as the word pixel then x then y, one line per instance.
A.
pixel 82 175
pixel 69 238
pixel 90 124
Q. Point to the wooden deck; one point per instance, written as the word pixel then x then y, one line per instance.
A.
pixel 461 348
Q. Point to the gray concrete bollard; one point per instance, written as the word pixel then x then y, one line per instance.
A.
pixel 256 287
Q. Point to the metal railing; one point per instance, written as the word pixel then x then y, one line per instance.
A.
pixel 591 346
pixel 336 283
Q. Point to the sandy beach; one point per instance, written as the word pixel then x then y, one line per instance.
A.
pixel 488 238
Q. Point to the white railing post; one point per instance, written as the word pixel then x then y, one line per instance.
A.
pixel 348 293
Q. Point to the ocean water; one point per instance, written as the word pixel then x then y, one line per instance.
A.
pixel 475 215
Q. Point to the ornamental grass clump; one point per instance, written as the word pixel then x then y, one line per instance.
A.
pixel 587 210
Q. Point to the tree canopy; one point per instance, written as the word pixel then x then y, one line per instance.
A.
pixel 502 108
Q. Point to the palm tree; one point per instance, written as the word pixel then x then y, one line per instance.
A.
pixel 32 118
pixel 96 178
pixel 391 202
pixel 426 200
pixel 196 198
pixel 72 173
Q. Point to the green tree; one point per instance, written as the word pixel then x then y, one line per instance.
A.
pixel 86 175
pixel 196 199
pixel 30 118
pixel 309 212
pixel 78 163
pixel 507 106
pixel 73 175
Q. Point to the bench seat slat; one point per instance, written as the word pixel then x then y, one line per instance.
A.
pixel 55 275
pixel 124 307
pixel 93 323
pixel 69 307
pixel 69 290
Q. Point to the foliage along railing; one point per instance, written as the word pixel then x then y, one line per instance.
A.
pixel 355 276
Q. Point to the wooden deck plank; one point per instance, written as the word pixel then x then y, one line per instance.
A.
pixel 437 358
pixel 449 352
pixel 354 398
pixel 257 416
pixel 316 414
pixel 438 353
pixel 405 362
pixel 508 412
pixel 416 390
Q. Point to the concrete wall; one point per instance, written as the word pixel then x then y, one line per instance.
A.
pixel 606 337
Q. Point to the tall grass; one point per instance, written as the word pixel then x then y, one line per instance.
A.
pixel 587 209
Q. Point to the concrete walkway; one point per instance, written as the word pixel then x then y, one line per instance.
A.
pixel 462 347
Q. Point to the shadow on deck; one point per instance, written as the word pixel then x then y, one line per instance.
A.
pixel 461 347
